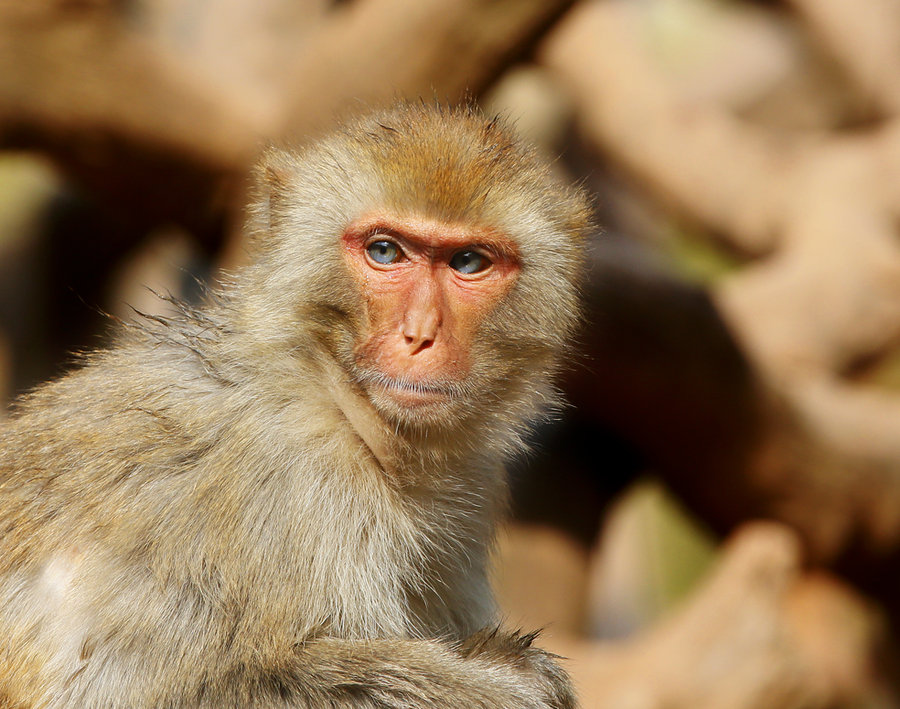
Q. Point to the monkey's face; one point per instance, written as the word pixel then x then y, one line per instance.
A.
pixel 427 286
pixel 433 257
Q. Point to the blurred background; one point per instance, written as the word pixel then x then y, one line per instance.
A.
pixel 715 520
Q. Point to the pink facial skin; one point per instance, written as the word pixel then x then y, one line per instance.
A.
pixel 427 286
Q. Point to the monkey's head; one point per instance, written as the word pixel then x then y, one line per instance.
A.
pixel 428 252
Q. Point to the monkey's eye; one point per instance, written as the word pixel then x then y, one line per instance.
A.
pixel 469 262
pixel 384 252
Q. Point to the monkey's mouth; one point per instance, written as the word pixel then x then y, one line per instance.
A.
pixel 411 393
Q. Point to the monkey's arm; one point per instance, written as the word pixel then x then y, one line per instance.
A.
pixel 489 670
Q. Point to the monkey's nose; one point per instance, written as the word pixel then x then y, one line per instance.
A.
pixel 416 344
pixel 420 328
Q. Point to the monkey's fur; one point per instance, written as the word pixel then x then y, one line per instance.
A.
pixel 213 513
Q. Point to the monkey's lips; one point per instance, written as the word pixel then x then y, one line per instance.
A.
pixel 409 394
pixel 412 393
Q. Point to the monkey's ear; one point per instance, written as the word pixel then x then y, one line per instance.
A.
pixel 273 171
pixel 275 178
pixel 272 185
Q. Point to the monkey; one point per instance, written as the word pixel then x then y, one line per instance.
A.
pixel 286 495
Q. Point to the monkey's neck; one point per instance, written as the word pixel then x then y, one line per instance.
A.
pixel 362 417
pixel 410 461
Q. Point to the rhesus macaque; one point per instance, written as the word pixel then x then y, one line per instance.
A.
pixel 286 498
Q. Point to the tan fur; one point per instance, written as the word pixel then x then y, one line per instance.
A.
pixel 213 513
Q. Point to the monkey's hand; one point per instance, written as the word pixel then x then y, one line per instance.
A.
pixel 489 670
pixel 516 650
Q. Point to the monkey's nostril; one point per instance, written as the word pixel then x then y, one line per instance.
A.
pixel 417 345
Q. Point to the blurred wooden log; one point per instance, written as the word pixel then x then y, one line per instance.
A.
pixel 374 51
pixel 74 73
pixel 822 300
pixel 148 137
pixel 865 39
pixel 627 107
pixel 541 579
pixel 111 90
pixel 824 294
pixel 756 633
